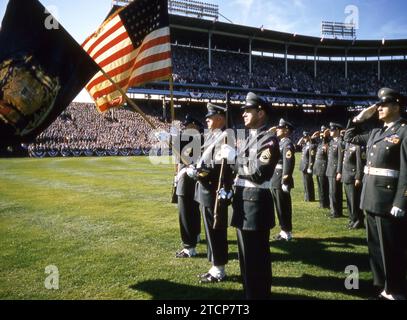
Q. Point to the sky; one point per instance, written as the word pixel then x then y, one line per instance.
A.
pixel 376 19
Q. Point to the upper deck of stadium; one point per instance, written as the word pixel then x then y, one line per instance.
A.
pixel 245 39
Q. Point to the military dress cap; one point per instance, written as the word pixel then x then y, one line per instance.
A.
pixel 323 128
pixel 214 109
pixel 189 119
pixel 254 101
pixel 335 126
pixel 283 124
pixel 386 95
pixel 305 133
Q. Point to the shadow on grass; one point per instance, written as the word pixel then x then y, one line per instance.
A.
pixel 323 253
pixel 167 290
pixel 325 284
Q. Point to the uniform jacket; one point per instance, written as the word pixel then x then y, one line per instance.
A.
pixel 385 150
pixel 335 155
pixel 253 207
pixel 205 190
pixel 352 163
pixel 321 159
pixel 287 163
pixel 307 157
pixel 185 185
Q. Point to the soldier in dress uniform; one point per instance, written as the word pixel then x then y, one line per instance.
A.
pixel 207 172
pixel 320 165
pixel 306 165
pixel 352 174
pixel 282 181
pixel 253 210
pixel 188 208
pixel 333 171
pixel 384 193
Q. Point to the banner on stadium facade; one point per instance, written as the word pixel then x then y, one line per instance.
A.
pixel 195 95
pixel 53 153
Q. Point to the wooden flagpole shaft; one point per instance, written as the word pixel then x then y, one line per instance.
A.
pixel 172 98
pixel 142 114
pixel 129 101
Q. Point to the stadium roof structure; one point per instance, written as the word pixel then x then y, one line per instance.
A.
pixel 188 30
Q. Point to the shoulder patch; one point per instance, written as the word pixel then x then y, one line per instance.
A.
pixel 289 154
pixel 265 156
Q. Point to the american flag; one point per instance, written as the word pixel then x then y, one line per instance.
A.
pixel 133 47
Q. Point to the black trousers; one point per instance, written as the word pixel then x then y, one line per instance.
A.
pixel 387 243
pixel 282 201
pixel 309 191
pixel 189 221
pixel 353 201
pixel 323 191
pixel 335 196
pixel 255 263
pixel 216 239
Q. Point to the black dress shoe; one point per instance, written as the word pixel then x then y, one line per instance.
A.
pixel 182 254
pixel 211 279
pixel 203 275
pixel 281 238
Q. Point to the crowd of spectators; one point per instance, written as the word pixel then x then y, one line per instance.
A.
pixel 232 69
pixel 81 128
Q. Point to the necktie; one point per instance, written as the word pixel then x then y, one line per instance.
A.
pixel 384 129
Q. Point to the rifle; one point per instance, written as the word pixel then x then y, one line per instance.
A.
pixel 220 210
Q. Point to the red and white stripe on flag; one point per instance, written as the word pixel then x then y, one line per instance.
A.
pixel 112 49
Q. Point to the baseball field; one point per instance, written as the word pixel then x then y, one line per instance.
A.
pixel 104 228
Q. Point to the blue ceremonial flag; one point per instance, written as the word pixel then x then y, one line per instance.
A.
pixel 42 69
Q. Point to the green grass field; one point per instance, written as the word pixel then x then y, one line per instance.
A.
pixel 108 226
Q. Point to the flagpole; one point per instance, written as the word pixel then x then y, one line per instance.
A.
pixel 129 101
pixel 172 99
pixel 143 115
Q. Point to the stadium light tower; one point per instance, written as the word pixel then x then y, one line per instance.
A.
pixel 120 3
pixel 335 29
pixel 195 8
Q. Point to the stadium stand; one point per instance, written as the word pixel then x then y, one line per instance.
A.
pixel 308 92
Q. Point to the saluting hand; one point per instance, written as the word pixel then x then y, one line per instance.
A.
pixel 315 135
pixel 365 114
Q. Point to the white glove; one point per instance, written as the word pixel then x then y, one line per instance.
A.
pixel 174 131
pixel 192 172
pixel 397 212
pixel 225 195
pixel 309 171
pixel 162 136
pixel 365 114
pixel 285 188
pixel 227 152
